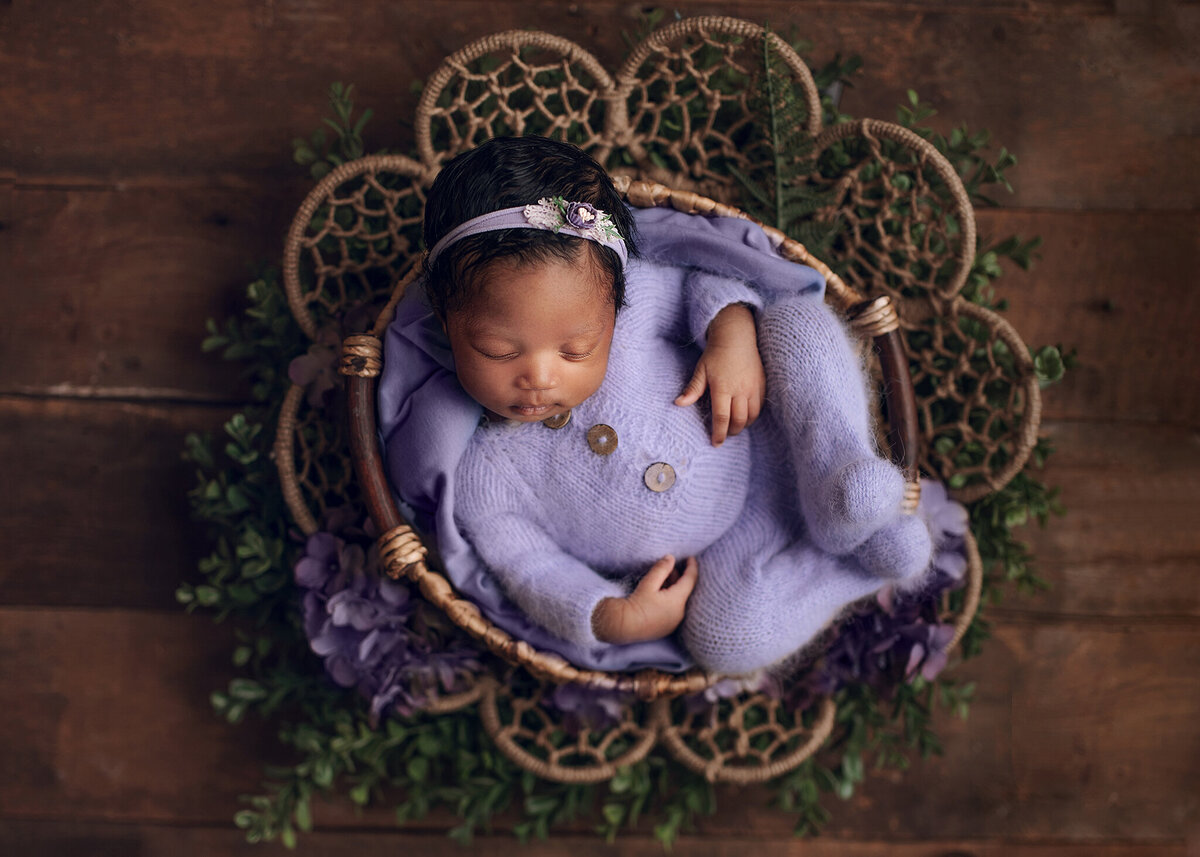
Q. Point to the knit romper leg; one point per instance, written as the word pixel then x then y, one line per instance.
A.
pixel 763 591
pixel 816 389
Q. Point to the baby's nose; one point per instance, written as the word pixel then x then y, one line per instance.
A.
pixel 537 375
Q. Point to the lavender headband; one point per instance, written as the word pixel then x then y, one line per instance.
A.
pixel 553 214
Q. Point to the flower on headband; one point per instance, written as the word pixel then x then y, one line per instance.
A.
pixel 555 213
pixel 581 215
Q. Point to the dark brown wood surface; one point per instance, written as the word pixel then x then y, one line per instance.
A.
pixel 145 175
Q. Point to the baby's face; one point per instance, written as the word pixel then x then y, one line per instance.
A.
pixel 535 342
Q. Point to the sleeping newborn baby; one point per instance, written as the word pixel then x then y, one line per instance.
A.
pixel 601 499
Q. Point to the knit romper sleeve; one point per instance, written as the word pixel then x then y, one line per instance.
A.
pixel 499 516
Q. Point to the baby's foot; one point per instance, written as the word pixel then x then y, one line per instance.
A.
pixel 897 551
pixel 855 502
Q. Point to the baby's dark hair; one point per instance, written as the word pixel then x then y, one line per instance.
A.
pixel 503 173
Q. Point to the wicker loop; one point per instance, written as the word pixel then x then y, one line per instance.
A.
pixel 725 751
pixel 970 607
pixel 400 548
pixel 285 461
pixel 362 356
pixel 912 497
pixel 446 96
pixel 444 704
pixel 303 242
pixel 548 751
pixel 874 318
pixel 927 156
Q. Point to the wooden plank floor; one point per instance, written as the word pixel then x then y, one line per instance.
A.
pixel 145 171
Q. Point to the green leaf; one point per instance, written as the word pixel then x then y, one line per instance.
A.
pixel 614 813
pixel 462 834
pixel 207 596
pixel 303 815
pixel 541 804
pixel 417 769
pixel 622 780
pixel 1049 365
pixel 428 744
pixel 246 690
pixel 322 773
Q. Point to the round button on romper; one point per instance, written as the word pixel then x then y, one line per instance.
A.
pixel 602 439
pixel 659 476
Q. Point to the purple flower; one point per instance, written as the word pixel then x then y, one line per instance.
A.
pixel 897 635
pixel 362 614
pixel 586 707
pixel 929 652
pixel 944 515
pixel 316 369
pixel 727 688
pixel 345 521
pixel 947 522
pixel 581 215
pixel 367 628
pixel 327 561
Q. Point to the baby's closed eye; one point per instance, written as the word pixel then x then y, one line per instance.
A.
pixel 491 356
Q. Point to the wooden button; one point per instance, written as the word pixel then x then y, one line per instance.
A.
pixel 659 476
pixel 602 439
pixel 558 420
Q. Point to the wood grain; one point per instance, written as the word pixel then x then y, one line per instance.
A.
pixel 1116 287
pixel 110 287
pixel 100 518
pixel 1088 94
pixel 76 839
pixel 137 271
pixel 142 743
pixel 1128 545
pixel 144 173
pixel 1079 732
pixel 94 511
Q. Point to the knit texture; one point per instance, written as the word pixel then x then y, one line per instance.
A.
pixel 792 520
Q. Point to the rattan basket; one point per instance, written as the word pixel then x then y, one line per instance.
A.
pixel 903 255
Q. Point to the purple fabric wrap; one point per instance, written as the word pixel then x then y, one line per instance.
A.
pixel 426 419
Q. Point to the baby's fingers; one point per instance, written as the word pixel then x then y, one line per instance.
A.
pixel 654 579
pixel 687 580
pixel 753 409
pixel 739 415
pixel 695 387
pixel 721 409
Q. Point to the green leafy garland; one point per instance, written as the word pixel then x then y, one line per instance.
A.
pixel 422 761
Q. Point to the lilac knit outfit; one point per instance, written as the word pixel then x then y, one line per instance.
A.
pixel 791 521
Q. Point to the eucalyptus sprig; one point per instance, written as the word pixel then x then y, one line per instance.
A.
pixel 321 153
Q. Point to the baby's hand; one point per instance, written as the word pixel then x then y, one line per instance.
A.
pixel 652 611
pixel 731 368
